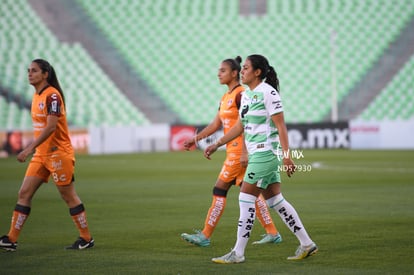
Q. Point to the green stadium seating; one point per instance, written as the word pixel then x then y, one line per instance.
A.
pixel 396 100
pixel 12 117
pixel 90 94
pixel 176 46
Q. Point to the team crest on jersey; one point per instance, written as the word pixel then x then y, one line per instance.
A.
pixel 254 99
pixel 229 102
pixel 41 106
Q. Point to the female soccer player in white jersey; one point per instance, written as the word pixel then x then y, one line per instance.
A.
pixel 262 122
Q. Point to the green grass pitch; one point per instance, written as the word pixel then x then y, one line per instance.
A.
pixel 358 206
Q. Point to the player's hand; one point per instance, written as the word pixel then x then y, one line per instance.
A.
pixel 210 150
pixel 188 143
pixel 22 156
pixel 289 166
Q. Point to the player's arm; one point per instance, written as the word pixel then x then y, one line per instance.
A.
pixel 274 107
pixel 244 158
pixel 207 131
pixel 279 120
pixel 52 121
pixel 234 132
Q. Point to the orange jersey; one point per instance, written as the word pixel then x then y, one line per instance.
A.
pixel 229 115
pixel 49 102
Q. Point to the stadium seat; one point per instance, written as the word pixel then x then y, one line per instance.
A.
pixel 176 47
pixel 396 100
pixel 21 27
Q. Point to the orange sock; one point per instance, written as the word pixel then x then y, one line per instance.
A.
pixel 216 210
pixel 20 215
pixel 262 213
pixel 79 218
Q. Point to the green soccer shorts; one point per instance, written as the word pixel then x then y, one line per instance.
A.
pixel 263 169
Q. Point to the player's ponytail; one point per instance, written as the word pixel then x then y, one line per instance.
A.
pixel 52 77
pixel 272 79
pixel 267 72
pixel 235 64
pixel 238 59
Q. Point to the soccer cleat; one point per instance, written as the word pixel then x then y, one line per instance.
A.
pixel 304 251
pixel 6 244
pixel 198 239
pixel 229 258
pixel 81 243
pixel 269 238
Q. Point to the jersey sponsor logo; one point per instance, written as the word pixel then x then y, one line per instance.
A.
pixel 247 128
pixel 62 178
pixel 251 175
pixel 226 123
pixel 57 165
pixel 289 220
pixel 20 220
pixel 54 106
pixel 249 222
pixel 277 104
pixel 38 124
pixel 263 211
pixel 83 224
pixel 225 174
pixel 244 110
pixel 216 211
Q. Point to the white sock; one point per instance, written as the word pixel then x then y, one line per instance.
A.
pixel 246 220
pixel 290 217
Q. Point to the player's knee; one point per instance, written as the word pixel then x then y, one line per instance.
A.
pixel 25 195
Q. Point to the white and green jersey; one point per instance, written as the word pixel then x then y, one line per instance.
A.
pixel 257 107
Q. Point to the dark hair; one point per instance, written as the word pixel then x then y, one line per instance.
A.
pixel 260 62
pixel 52 78
pixel 234 64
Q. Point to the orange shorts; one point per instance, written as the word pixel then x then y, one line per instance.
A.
pixel 232 170
pixel 60 166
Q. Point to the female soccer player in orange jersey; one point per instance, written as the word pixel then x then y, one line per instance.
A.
pixel 235 164
pixel 53 156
